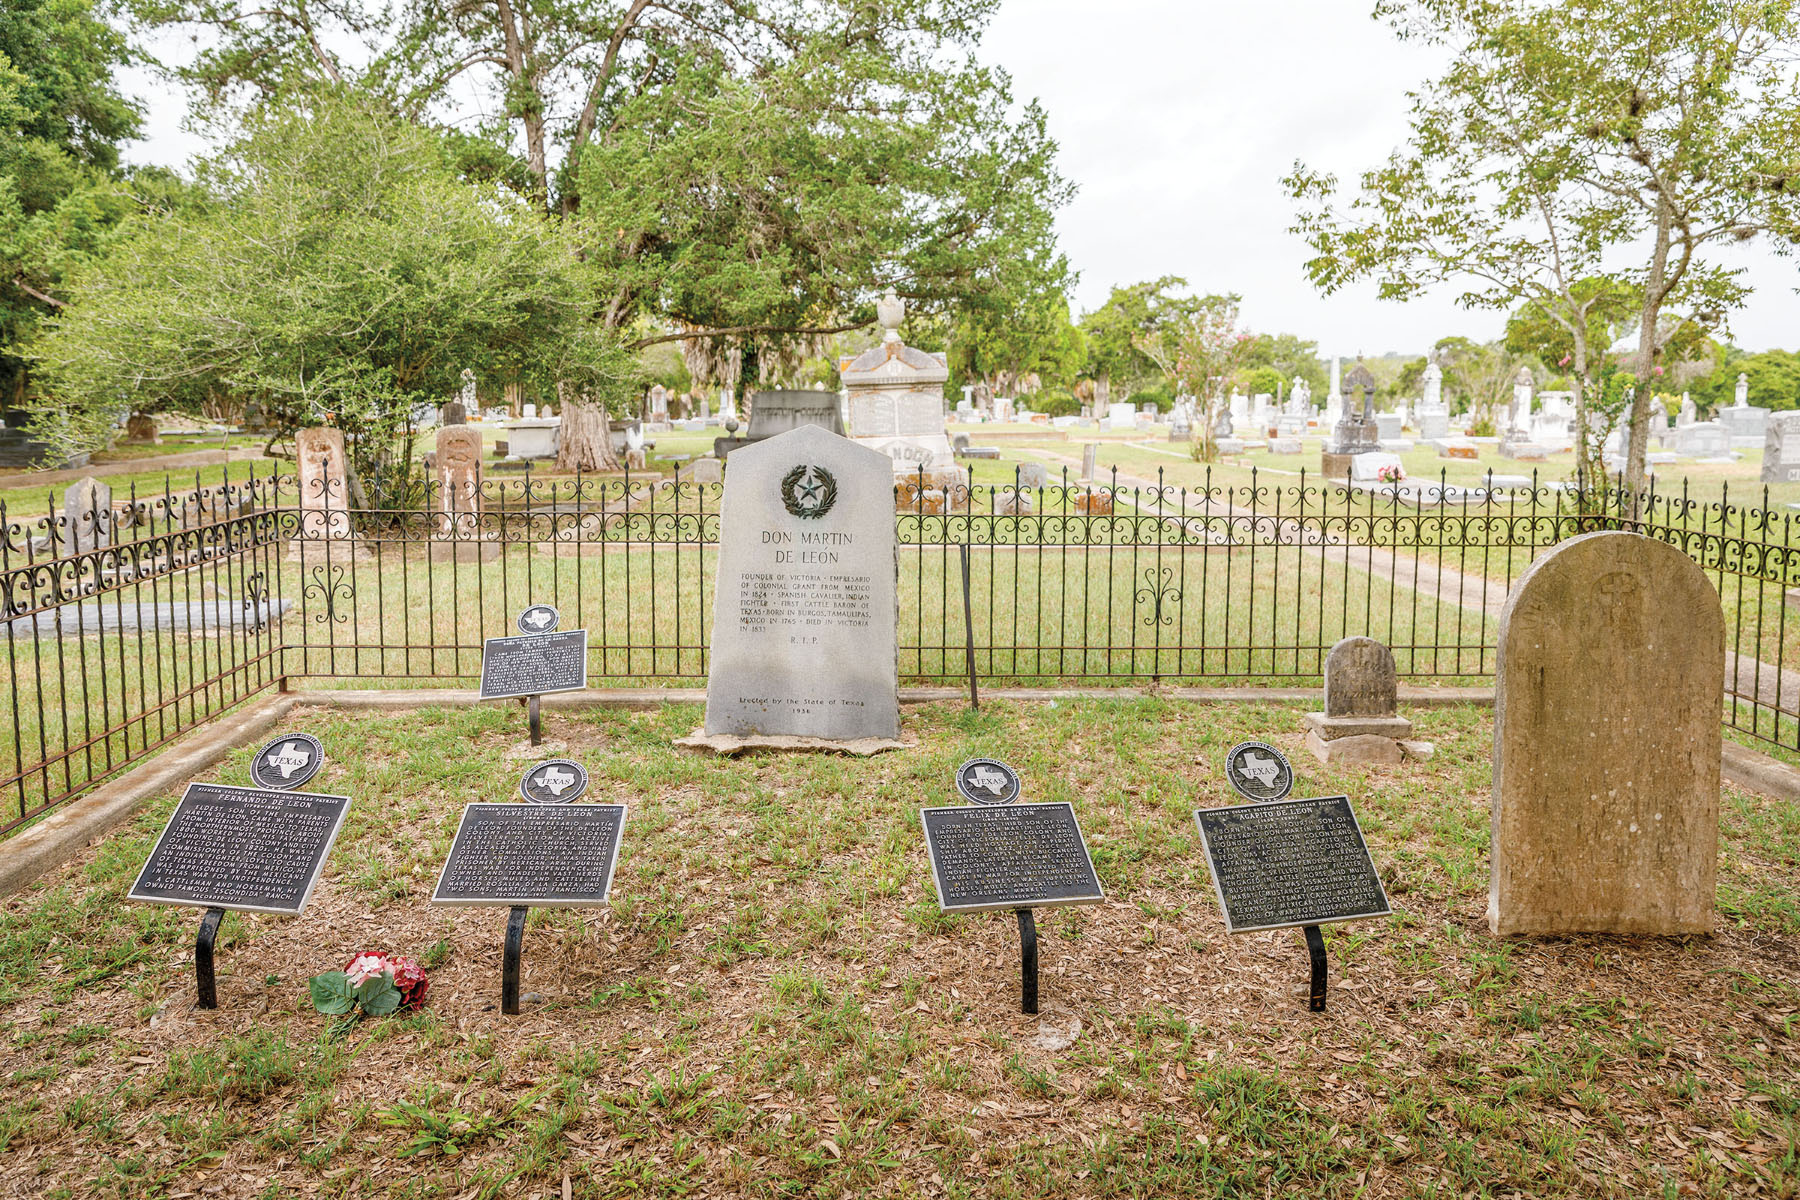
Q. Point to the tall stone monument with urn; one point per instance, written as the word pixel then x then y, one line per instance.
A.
pixel 896 402
pixel 1355 432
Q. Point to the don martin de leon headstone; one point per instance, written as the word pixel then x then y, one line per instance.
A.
pixel 1606 742
pixel 804 620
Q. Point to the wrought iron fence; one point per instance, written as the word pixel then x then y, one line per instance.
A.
pixel 137 619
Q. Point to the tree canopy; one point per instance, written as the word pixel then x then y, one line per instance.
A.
pixel 745 171
pixel 62 118
pixel 1578 141
pixel 292 289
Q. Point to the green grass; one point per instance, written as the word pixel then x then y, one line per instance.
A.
pixel 773 1007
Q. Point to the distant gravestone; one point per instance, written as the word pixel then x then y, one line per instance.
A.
pixel 458 470
pixel 804 620
pixel 453 413
pixel 1781 449
pixel 87 517
pixel 323 472
pixel 140 430
pixel 1607 742
pixel 1034 475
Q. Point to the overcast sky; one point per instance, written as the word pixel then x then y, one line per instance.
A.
pixel 1177 119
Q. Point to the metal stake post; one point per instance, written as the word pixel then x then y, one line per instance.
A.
pixel 968 629
pixel 1315 948
pixel 1028 1001
pixel 204 985
pixel 509 962
pixel 537 724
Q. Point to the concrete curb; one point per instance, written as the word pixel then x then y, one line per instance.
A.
pixel 1758 772
pixel 59 835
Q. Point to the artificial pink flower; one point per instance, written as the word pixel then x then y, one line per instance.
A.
pixel 364 967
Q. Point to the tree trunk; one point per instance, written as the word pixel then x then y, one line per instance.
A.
pixel 584 442
pixel 1639 435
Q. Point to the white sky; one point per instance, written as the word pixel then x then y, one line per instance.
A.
pixel 1176 120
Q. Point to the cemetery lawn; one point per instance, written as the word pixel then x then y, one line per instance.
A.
pixel 774 1006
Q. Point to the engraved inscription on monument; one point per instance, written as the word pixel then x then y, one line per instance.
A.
pixel 250 849
pixel 1011 856
pixel 533 664
pixel 524 854
pixel 1293 862
pixel 804 618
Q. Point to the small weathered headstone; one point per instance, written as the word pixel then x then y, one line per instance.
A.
pixel 1611 669
pixel 805 639
pixel 87 517
pixel 453 413
pixel 1361 721
pixel 1033 475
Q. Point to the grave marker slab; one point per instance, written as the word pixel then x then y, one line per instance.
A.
pixel 1010 856
pixel 533 664
pixel 249 849
pixel 534 856
pixel 805 638
pixel 1290 863
pixel 1611 669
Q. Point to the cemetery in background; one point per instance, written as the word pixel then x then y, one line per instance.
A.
pixel 129 620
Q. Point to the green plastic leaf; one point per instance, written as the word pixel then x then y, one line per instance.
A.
pixel 379 996
pixel 331 993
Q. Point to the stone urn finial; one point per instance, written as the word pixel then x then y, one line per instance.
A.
pixel 890 312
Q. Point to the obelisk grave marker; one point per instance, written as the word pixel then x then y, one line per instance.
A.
pixel 804 620
pixel 1606 742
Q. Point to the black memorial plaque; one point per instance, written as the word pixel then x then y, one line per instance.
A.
pixel 1259 772
pixel 987 781
pixel 532 855
pixel 1009 856
pixel 1290 863
pixel 250 849
pixel 554 781
pixel 533 664
pixel 287 762
pixel 539 618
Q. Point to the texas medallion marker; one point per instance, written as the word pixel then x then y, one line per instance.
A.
pixel 805 639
